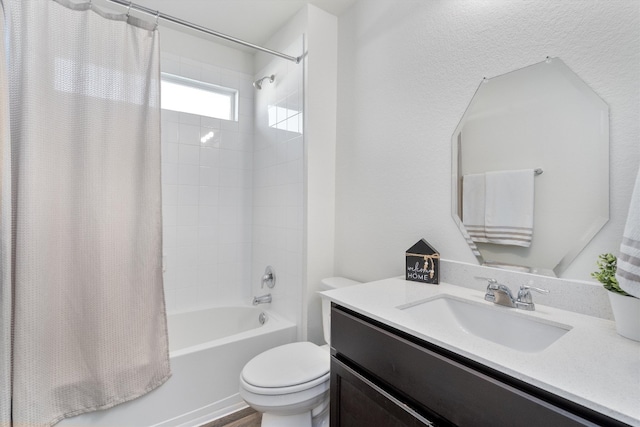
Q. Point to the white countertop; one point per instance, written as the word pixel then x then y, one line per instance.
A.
pixel 591 364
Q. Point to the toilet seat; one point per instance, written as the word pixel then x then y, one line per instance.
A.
pixel 286 369
pixel 277 391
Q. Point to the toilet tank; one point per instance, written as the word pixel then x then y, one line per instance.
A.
pixel 327 285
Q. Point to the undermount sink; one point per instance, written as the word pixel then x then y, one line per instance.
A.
pixel 500 325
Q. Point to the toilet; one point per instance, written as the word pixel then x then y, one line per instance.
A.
pixel 289 384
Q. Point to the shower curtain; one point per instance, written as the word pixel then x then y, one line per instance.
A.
pixel 5 243
pixel 81 297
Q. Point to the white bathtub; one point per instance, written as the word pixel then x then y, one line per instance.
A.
pixel 208 350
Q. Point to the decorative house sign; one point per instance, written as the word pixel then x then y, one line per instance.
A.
pixel 423 263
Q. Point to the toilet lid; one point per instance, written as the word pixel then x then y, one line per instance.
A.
pixel 287 365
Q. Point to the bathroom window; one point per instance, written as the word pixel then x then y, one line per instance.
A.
pixel 196 97
pixel 285 118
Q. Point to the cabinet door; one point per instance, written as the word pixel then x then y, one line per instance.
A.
pixel 358 402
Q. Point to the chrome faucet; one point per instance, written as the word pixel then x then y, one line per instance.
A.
pixel 262 299
pixel 501 294
pixel 525 300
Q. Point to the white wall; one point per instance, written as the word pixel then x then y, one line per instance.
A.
pixel 196 46
pixel 407 71
pixel 321 104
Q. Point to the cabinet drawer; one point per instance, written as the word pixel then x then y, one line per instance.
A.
pixel 438 384
pixel 357 402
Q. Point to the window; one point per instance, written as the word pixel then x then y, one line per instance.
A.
pixel 285 119
pixel 195 97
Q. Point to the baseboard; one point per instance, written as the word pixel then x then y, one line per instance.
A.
pixel 207 414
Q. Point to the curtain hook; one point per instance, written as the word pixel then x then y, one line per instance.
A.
pixel 129 10
pixel 157 19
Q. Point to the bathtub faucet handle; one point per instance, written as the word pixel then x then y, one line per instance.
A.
pixel 269 278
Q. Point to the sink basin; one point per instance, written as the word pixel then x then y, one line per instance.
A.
pixel 497 324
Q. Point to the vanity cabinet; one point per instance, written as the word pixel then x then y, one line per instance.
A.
pixel 383 377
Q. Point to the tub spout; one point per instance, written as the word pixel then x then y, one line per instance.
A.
pixel 262 299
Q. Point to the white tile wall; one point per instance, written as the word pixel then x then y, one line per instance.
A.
pixel 207 196
pixel 278 165
pixel 234 204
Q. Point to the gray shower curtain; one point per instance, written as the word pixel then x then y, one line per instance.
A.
pixel 81 298
pixel 5 243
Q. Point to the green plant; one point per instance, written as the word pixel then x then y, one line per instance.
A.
pixel 607 264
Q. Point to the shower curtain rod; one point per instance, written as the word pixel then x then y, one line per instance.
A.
pixel 160 15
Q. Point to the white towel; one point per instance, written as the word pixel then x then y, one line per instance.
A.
pixel 628 273
pixel 473 189
pixel 509 199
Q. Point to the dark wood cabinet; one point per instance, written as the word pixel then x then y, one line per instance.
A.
pixel 384 377
pixel 363 403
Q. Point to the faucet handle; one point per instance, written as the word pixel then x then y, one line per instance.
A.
pixel 269 278
pixel 525 300
pixel 492 285
pixel 524 291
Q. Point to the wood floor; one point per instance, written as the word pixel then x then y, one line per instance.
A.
pixel 243 418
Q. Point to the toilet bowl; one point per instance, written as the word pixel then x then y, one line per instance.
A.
pixel 289 384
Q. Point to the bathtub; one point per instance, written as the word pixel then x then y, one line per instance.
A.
pixel 208 349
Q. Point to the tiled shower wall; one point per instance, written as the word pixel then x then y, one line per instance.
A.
pixel 234 204
pixel 278 184
pixel 207 196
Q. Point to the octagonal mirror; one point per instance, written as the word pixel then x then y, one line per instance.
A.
pixel 544 119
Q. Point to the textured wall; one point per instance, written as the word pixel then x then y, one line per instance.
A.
pixel 407 71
